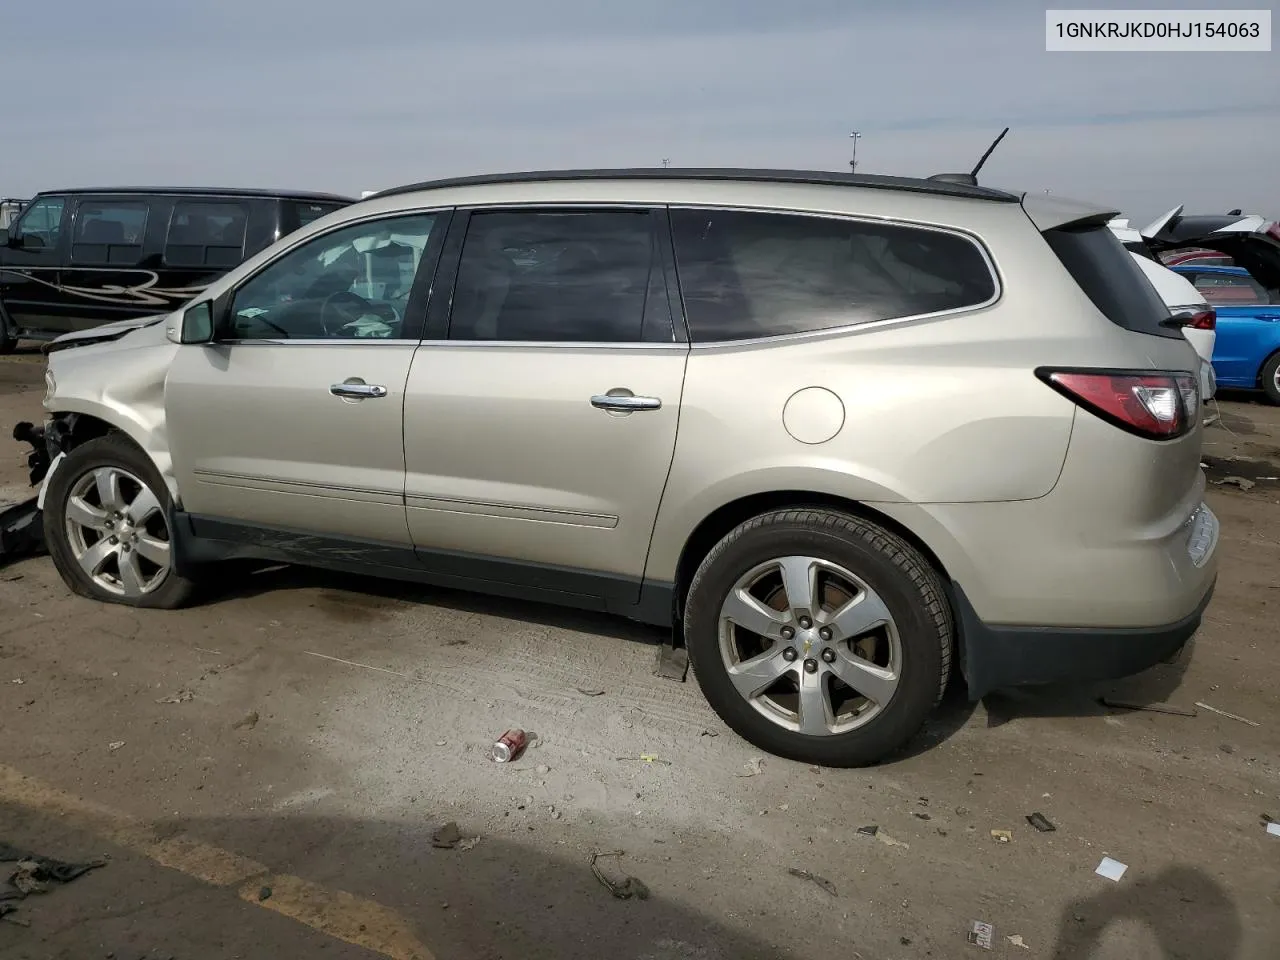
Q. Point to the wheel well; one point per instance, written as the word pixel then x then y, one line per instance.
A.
pixel 73 429
pixel 710 531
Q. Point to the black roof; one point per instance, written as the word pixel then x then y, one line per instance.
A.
pixel 212 192
pixel 823 177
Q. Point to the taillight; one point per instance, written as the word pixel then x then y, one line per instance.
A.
pixel 1155 405
pixel 1273 229
pixel 1204 320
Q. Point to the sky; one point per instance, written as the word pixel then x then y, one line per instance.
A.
pixel 349 96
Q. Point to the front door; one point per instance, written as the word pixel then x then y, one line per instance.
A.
pixel 29 266
pixel 293 418
pixel 540 431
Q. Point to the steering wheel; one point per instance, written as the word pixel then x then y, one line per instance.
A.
pixel 350 307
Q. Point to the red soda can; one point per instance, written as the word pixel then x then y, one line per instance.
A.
pixel 509 745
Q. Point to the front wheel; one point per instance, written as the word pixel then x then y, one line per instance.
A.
pixel 106 526
pixel 819 636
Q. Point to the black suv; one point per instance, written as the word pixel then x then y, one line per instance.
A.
pixel 77 259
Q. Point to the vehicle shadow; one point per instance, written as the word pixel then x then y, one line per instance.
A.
pixel 362 888
pixel 1189 913
pixel 1156 685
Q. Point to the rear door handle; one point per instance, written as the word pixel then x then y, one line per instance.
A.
pixel 607 402
pixel 358 390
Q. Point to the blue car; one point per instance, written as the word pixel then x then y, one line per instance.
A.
pixel 1246 354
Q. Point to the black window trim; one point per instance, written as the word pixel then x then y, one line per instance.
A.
pixel 146 200
pixel 243 203
pixel 848 328
pixel 438 318
pixel 419 296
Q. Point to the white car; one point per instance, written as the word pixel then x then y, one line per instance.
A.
pixel 1181 297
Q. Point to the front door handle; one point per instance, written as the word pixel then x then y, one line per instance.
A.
pixel 355 389
pixel 625 403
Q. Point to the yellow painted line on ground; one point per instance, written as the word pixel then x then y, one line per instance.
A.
pixel 335 913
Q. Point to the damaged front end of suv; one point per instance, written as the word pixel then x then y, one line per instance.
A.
pixel 22 524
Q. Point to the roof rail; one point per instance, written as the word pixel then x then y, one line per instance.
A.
pixel 821 177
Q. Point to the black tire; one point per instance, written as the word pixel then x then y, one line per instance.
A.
pixel 8 343
pixel 112 450
pixel 906 582
pixel 1268 378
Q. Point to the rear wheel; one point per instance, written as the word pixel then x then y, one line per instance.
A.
pixel 106 525
pixel 1271 378
pixel 819 636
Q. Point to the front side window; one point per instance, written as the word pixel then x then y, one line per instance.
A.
pixel 109 232
pixel 584 276
pixel 746 275
pixel 349 284
pixel 203 233
pixel 39 227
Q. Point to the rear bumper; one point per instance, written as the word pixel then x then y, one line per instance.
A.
pixel 992 656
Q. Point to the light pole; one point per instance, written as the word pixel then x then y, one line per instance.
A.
pixel 666 162
pixel 853 162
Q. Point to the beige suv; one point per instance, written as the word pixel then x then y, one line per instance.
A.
pixel 837 431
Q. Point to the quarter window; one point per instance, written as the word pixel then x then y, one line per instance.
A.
pixel 109 231
pixel 352 283
pixel 40 224
pixel 206 234
pixel 585 276
pixel 746 275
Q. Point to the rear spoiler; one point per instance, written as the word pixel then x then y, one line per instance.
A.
pixel 1049 212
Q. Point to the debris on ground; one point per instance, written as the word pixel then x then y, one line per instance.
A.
pixel 468 843
pixel 1041 823
pixel 35 874
pixel 1273 829
pixel 981 934
pixel 1017 941
pixel 647 758
pixel 182 696
pixel 822 882
pixel 247 722
pixel 591 691
pixel 874 831
pixel 1268 818
pixel 623 889
pixel 754 767
pixel 921 815
pixel 19 681
pixel 1240 482
pixel 708 733
pixel 1111 869
pixel 1229 716
pixel 672 662
pixel 509 746
pixel 264 894
pixel 869 831
pixel 447 836
pixel 1002 836
pixel 115 744
pixel 1149 707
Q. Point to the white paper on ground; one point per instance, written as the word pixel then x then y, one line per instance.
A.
pixel 1273 829
pixel 1111 869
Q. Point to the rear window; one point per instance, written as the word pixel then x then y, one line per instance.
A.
pixel 206 233
pixel 305 213
pixel 1099 263
pixel 745 275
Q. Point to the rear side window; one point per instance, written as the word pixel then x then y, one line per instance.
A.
pixel 1099 263
pixel 746 275
pixel 205 233
pixel 109 232
pixel 1227 290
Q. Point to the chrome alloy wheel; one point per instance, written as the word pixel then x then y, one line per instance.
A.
pixel 810 645
pixel 118 532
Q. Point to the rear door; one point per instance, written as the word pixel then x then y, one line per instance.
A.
pixel 111 265
pixel 540 415
pixel 204 238
pixel 30 265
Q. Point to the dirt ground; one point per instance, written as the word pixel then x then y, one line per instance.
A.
pixel 325 727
